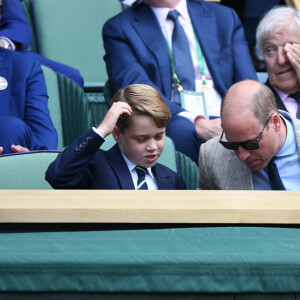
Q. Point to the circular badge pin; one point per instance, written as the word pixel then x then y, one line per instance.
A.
pixel 3 83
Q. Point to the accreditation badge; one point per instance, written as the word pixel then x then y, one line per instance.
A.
pixel 194 102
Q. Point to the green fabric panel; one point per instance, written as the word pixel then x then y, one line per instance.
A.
pixel 98 107
pixel 266 297
pixel 27 7
pixel 189 171
pixel 76 114
pixel 205 260
pixel 69 31
pixel 111 296
pixel 140 296
pixel 25 171
pixel 167 158
pixel 54 103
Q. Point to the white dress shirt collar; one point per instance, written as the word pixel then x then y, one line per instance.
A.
pixel 131 166
pixel 162 12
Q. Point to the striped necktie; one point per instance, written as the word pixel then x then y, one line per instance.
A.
pixel 274 176
pixel 296 96
pixel 141 183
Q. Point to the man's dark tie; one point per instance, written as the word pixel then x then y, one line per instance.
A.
pixel 141 183
pixel 296 96
pixel 182 57
pixel 274 176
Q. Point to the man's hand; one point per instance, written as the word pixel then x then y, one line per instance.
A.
pixel 112 116
pixel 208 129
pixel 293 55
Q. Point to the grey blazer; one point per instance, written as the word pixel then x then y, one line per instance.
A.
pixel 220 169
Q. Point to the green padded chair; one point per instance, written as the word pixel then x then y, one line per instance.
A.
pixel 68 106
pixel 70 31
pixel 25 170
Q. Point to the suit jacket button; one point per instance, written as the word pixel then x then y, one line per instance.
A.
pixel 81 146
pixel 77 148
pixel 88 138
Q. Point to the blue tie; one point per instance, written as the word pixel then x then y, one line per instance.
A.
pixel 184 67
pixel 274 176
pixel 141 183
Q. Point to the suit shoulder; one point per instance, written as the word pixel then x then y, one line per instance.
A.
pixel 210 7
pixel 127 15
pixel 18 59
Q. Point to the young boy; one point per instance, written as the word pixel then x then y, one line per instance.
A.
pixel 137 119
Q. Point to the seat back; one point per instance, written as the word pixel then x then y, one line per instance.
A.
pixel 68 106
pixel 25 170
pixel 167 158
pixel 54 103
pixel 70 31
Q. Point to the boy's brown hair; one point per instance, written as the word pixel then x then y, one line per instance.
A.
pixel 144 100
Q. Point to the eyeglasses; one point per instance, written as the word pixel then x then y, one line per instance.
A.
pixel 248 145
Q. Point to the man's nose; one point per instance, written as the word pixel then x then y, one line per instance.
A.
pixel 281 58
pixel 242 153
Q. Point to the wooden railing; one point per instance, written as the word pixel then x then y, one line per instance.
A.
pixel 72 206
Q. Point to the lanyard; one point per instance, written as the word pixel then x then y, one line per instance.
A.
pixel 176 81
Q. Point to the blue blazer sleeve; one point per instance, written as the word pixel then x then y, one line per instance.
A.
pixel 13 23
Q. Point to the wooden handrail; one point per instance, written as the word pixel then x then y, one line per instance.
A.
pixel 293 3
pixel 73 206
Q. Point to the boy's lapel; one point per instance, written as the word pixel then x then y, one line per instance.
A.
pixel 120 168
pixel 162 177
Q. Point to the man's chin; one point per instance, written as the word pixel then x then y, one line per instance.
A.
pixel 255 166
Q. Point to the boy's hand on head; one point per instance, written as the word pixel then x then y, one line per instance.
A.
pixel 112 116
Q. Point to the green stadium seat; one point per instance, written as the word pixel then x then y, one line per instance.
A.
pixel 26 170
pixel 70 31
pixel 68 106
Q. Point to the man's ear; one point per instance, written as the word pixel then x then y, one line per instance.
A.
pixel 116 134
pixel 276 121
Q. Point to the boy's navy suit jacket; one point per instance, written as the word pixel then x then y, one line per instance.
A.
pixel 83 165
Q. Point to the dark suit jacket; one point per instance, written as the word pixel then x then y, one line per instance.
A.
pixel 136 51
pixel 82 165
pixel 279 102
pixel 13 23
pixel 26 97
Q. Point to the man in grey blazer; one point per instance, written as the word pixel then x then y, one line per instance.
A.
pixel 255 134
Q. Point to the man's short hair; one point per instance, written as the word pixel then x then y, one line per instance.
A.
pixel 144 100
pixel 263 104
pixel 277 18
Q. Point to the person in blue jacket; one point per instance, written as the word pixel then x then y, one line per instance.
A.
pixel 25 122
pixel 138 44
pixel 15 34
